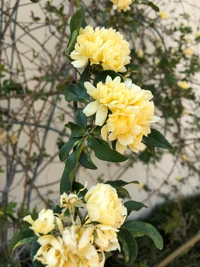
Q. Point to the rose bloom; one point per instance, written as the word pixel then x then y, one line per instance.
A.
pixel 131 112
pixel 101 46
pixel 121 5
pixel 110 94
pixel 44 223
pixel 104 206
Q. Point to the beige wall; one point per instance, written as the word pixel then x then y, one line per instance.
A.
pixel 53 172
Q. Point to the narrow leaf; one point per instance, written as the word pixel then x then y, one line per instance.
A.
pixel 21 238
pixel 85 160
pixel 156 139
pixel 103 151
pixel 77 20
pixel 76 130
pixel 128 245
pixel 81 119
pixel 66 148
pixel 72 42
pixel 70 170
pixel 153 6
pixel 132 205
pixel 120 183
pixel 138 228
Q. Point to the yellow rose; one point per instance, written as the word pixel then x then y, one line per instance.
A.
pixel 101 46
pixel 44 223
pixel 112 93
pixel 104 206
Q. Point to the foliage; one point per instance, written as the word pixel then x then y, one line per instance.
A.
pixel 177 221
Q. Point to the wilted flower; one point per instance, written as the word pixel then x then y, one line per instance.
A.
pixel 163 15
pixel 101 46
pixel 183 85
pixel 70 200
pixel 121 5
pixel 104 206
pixel 106 238
pixel 74 248
pixel 44 223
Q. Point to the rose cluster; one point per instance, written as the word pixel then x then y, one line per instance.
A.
pixel 101 46
pixel 66 239
pixel 125 109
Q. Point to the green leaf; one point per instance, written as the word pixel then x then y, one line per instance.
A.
pixel 133 205
pixel 81 119
pixel 153 6
pixel 66 148
pixel 138 228
pixel 132 67
pixel 34 248
pixel 77 20
pixel 72 42
pixel 103 151
pixel 10 208
pixel 156 139
pixel 76 130
pixel 128 245
pixel 85 160
pixel 120 183
pixel 76 92
pixel 101 76
pixel 122 192
pixel 35 1
pixel 70 170
pixel 21 238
